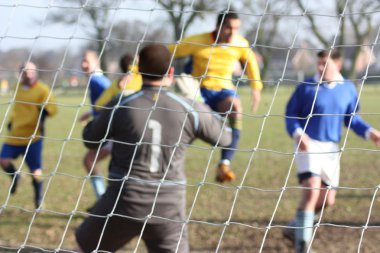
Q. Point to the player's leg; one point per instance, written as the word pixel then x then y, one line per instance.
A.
pixel 33 159
pixel 94 232
pixel 232 103
pixel 323 201
pixel 166 238
pixel 90 163
pixel 7 155
pixel 305 212
pixel 330 176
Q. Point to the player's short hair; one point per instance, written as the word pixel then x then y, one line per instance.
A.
pixel 226 14
pixel 335 54
pixel 154 61
pixel 125 61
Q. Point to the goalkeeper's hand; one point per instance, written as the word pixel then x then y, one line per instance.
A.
pixel 188 87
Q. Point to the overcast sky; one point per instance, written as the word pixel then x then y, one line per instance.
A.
pixel 21 22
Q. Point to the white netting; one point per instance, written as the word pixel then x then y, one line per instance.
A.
pixel 247 215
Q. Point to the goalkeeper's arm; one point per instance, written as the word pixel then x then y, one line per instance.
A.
pixel 96 132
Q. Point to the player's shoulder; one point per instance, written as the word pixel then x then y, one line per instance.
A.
pixel 42 86
pixel 100 79
pixel 199 38
pixel 240 41
pixel 348 84
pixel 308 84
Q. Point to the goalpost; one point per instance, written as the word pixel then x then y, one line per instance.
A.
pixel 247 215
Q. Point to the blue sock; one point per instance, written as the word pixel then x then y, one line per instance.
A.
pixel 304 220
pixel 38 186
pixel 227 154
pixel 98 186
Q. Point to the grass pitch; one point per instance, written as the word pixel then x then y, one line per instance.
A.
pixel 244 215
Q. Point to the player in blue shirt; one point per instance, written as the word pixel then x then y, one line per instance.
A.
pixel 98 83
pixel 315 115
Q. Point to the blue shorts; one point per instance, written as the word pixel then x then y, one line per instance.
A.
pixel 213 97
pixel 33 158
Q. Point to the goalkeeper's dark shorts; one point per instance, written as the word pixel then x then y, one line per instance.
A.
pixel 158 238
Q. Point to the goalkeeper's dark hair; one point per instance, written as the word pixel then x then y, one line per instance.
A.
pixel 335 54
pixel 226 14
pixel 154 62
pixel 124 62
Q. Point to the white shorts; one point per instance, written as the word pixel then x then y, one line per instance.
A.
pixel 322 159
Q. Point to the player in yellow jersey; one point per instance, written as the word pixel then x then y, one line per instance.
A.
pixel 213 57
pixel 26 127
pixel 129 83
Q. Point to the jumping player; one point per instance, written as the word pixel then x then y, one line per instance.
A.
pixel 214 55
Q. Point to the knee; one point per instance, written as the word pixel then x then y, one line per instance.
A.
pixel 330 201
pixel 4 163
pixel 36 175
pixel 88 160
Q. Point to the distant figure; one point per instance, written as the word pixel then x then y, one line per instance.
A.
pixel 151 130
pixel 4 87
pixel 26 127
pixel 329 104
pixel 213 58
pixel 127 84
pixel 98 83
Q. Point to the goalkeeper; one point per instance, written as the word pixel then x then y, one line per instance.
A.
pixel 329 104
pixel 150 130
pixel 26 128
pixel 214 55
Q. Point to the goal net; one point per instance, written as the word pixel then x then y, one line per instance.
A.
pixel 248 214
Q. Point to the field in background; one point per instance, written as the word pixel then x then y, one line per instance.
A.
pixel 252 210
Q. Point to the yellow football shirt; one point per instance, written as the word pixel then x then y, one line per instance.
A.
pixel 26 111
pixel 213 65
pixel 133 85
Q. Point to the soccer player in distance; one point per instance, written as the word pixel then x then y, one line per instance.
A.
pixel 129 83
pixel 151 130
pixel 26 128
pixel 98 83
pixel 214 55
pixel 318 156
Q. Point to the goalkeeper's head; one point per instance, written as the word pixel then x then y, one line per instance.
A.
pixel 154 65
pixel 227 26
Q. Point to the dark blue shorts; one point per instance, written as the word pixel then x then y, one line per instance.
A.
pixel 213 97
pixel 33 158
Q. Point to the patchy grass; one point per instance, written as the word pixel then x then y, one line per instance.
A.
pixel 238 214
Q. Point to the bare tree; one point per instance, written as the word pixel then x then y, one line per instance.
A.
pixel 183 13
pixel 264 29
pixel 357 20
pixel 93 19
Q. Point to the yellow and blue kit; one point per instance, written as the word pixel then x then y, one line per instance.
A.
pixel 29 100
pixel 133 85
pixel 213 64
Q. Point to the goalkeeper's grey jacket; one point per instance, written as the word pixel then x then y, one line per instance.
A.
pixel 150 131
